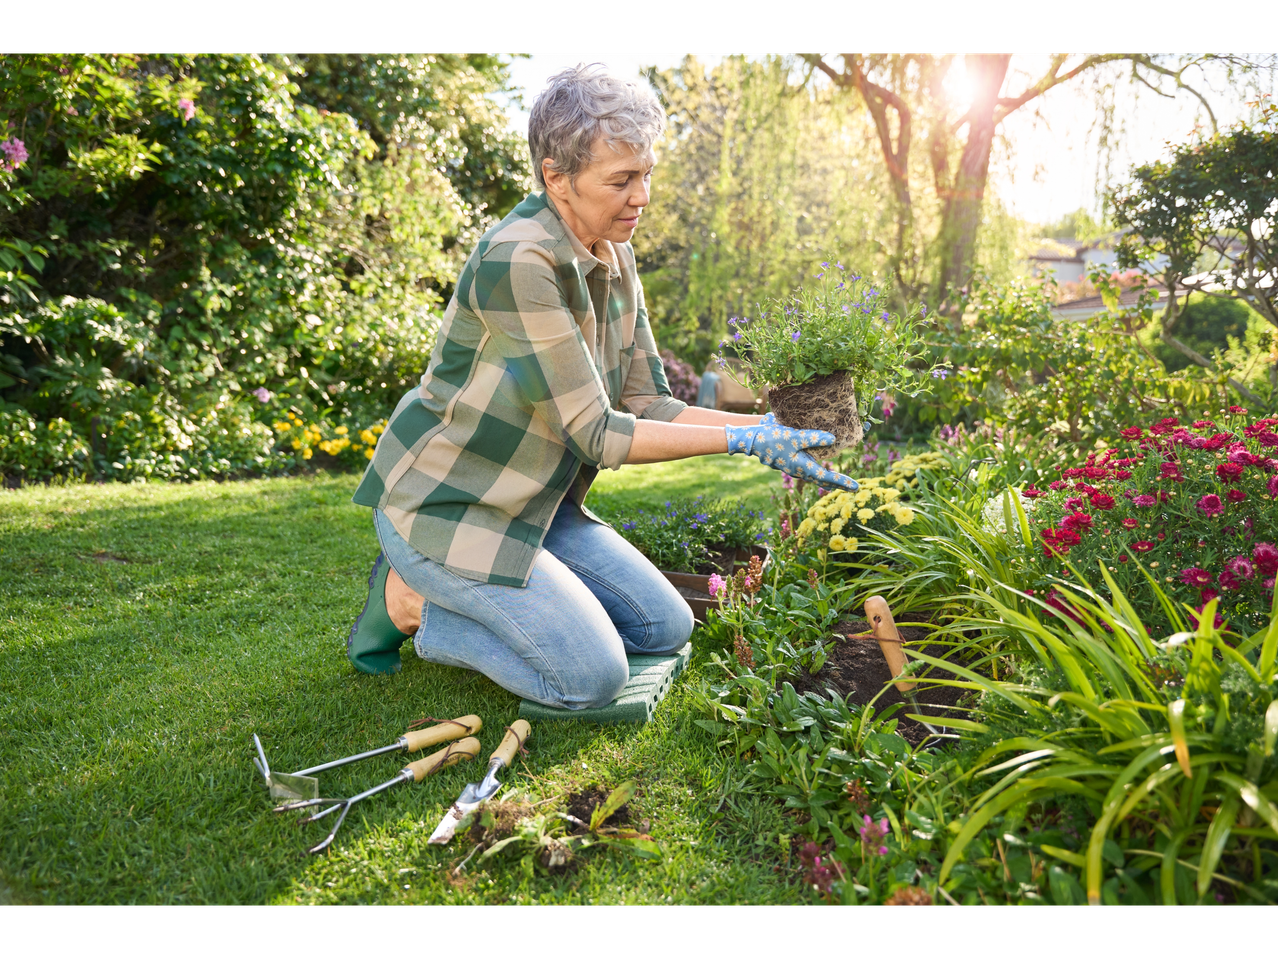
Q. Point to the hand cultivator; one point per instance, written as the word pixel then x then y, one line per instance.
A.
pixel 467 748
pixel 303 784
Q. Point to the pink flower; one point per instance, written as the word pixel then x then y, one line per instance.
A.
pixel 1142 546
pixel 1144 500
pixel 15 154
pixel 1122 474
pixel 1196 576
pixel 1229 581
pixel 1266 557
pixel 1235 496
pixel 1130 523
pixel 1269 583
pixel 1268 439
pixel 717 584
pixel 1102 501
pixel 1238 410
pixel 1074 502
pixel 1229 471
pixel 1210 505
pixel 1030 492
pixel 1272 487
pixel 187 108
pixel 1242 566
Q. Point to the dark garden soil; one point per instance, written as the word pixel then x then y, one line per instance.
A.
pixel 722 561
pixel 584 803
pixel 857 671
pixel 824 403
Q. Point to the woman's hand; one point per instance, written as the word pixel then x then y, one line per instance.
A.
pixel 785 449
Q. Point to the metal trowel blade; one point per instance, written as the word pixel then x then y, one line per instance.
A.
pixel 288 786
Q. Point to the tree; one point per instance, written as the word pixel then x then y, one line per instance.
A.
pixel 1208 214
pixel 906 97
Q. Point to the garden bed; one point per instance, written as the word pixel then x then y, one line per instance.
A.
pixel 857 671
pixel 695 587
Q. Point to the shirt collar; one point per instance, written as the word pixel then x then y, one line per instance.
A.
pixel 608 261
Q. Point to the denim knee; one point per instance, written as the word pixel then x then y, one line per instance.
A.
pixel 596 688
pixel 671 628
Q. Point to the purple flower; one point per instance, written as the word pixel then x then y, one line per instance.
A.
pixel 1242 566
pixel 263 394
pixel 923 310
pixel 717 584
pixel 825 264
pixel 794 337
pixel 940 374
pixel 736 335
pixel 187 107
pixel 15 154
pixel 1209 504
pixel 885 315
pixel 1144 500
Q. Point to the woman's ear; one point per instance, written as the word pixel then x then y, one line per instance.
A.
pixel 556 182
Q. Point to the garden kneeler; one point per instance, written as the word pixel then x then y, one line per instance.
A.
pixel 374 641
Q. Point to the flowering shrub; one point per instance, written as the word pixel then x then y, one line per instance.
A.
pixel 1194 505
pixel 293 435
pixel 683 379
pixel 877 502
pixel 841 323
pixel 690 535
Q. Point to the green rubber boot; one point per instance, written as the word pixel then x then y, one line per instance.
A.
pixel 373 645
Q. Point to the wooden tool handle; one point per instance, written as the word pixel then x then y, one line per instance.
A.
pixel 884 628
pixel 442 732
pixel 467 748
pixel 516 735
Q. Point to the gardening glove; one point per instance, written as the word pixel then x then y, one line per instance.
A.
pixel 785 449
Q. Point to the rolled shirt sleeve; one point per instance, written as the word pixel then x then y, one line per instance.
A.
pixel 646 392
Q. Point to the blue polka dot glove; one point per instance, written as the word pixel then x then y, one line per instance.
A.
pixel 785 449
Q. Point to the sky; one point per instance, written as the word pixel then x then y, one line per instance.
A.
pixel 1051 169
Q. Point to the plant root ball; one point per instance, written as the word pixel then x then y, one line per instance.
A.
pixel 824 403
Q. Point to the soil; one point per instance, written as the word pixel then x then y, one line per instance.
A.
pixel 506 816
pixel 584 803
pixel 824 403
pixel 857 671
pixel 722 561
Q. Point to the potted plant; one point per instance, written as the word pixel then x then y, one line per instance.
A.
pixel 825 351
pixel 690 540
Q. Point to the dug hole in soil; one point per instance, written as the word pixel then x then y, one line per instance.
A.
pixel 824 403
pixel 584 803
pixel 857 671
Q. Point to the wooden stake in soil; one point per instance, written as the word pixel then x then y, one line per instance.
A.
pixel 883 626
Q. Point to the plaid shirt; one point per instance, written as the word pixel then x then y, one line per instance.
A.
pixel 542 363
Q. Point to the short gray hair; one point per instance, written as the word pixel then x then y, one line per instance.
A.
pixel 581 104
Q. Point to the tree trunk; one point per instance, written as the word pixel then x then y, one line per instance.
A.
pixel 961 213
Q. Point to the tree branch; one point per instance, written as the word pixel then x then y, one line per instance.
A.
pixel 1207 364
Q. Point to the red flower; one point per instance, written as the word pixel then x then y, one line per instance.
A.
pixel 1074 502
pixel 1266 557
pixel 1217 442
pixel 1122 474
pixel 1132 433
pixel 1102 501
pixel 1238 411
pixel 1030 492
pixel 1219 621
pixel 1057 484
pixel 1272 487
pixel 1095 472
pixel 1204 425
pixel 1160 537
pixel 1229 472
pixel 1268 439
pixel 1207 595
pixel 1235 496
pixel 1130 523
pixel 1164 426
pixel 1085 488
pixel 1123 558
pixel 1079 522
pixel 1055 601
pixel 1211 505
pixel 1072 473
pixel 1142 546
pixel 1196 576
pixel 1229 581
pixel 1242 566
pixel 1144 501
pixel 1170 470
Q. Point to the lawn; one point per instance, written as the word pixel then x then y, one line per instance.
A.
pixel 147 631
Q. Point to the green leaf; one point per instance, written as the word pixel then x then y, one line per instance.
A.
pixel 616 799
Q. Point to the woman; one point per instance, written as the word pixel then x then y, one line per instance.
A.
pixel 545 370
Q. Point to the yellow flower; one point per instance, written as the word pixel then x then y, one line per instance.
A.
pixel 368 454
pixel 836 526
pixel 378 428
pixel 297 444
pixel 823 527
pixel 891 495
pixel 846 512
pixel 368 437
pixel 850 544
pixel 864 496
pixel 837 543
pixel 905 516
pixel 806 528
pixel 280 427
pixel 865 515
pixel 307 453
pixel 341 431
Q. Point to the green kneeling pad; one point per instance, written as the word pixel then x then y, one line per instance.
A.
pixel 374 642
pixel 650 680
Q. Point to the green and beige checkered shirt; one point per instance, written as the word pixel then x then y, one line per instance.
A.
pixel 543 361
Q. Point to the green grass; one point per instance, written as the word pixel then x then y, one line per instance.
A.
pixel 147 631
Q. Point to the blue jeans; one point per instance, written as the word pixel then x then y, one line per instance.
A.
pixel 562 639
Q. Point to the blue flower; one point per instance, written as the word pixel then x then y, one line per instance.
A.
pixel 824 263
pixel 840 266
pixel 885 315
pixel 819 275
pixel 736 335
pixel 794 337
pixel 940 374
pixel 732 321
pixel 923 310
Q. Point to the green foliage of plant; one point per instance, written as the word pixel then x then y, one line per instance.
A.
pixel 1169 745
pixel 1015 364
pixel 689 533
pixel 194 228
pixel 831 327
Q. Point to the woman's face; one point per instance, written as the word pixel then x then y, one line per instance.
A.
pixel 608 197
